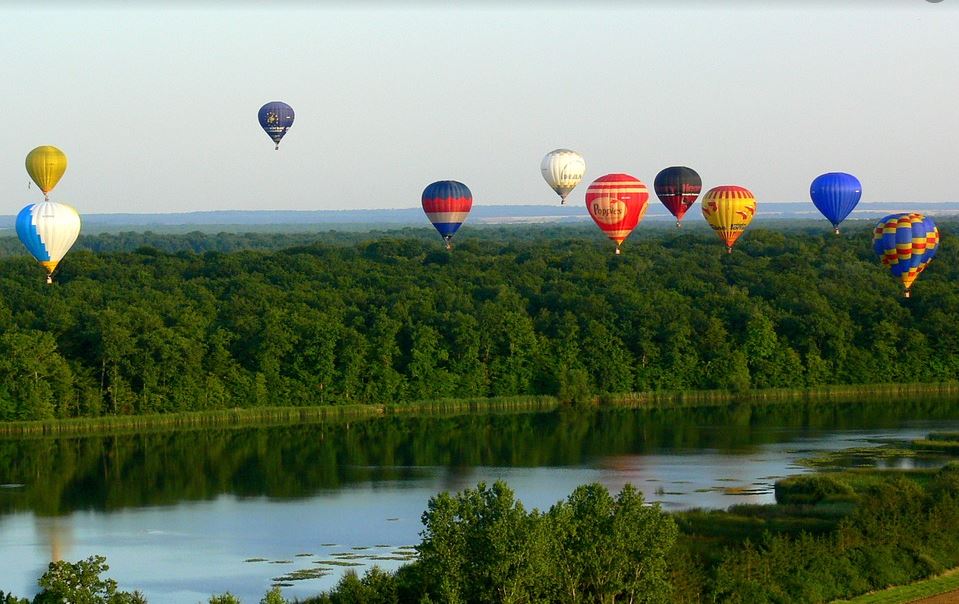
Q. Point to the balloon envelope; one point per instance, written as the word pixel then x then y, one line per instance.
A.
pixel 46 165
pixel 905 243
pixel 729 210
pixel 678 187
pixel 617 202
pixel 447 204
pixel 563 169
pixel 48 230
pixel 276 117
pixel 835 194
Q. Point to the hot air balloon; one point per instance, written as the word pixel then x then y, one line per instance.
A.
pixel 617 202
pixel 46 165
pixel 447 203
pixel 563 169
pixel 729 210
pixel 48 230
pixel 276 117
pixel 678 187
pixel 906 243
pixel 835 195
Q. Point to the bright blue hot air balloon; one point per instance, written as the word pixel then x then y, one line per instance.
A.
pixel 835 195
pixel 276 117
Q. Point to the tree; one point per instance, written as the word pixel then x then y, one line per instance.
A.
pixel 481 546
pixel 35 381
pixel 609 548
pixel 80 583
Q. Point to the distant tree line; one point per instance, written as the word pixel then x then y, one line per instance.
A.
pixel 396 318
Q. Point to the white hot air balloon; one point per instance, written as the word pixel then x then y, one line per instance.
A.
pixel 48 230
pixel 563 170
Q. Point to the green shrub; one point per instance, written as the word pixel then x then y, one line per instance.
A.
pixel 812 489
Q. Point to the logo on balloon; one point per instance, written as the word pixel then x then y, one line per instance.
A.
pixel 608 210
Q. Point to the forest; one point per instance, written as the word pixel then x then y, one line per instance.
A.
pixel 145 323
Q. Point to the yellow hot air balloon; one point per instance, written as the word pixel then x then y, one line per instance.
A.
pixel 46 165
pixel 729 210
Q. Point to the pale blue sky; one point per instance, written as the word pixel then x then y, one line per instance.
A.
pixel 156 106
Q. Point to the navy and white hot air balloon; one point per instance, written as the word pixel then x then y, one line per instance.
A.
pixel 835 194
pixel 276 117
pixel 447 203
pixel 48 230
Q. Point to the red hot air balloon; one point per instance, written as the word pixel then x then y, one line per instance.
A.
pixel 617 202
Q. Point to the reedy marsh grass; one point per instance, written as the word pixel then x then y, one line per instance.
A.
pixel 253 416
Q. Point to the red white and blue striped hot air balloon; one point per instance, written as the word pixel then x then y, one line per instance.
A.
pixel 447 203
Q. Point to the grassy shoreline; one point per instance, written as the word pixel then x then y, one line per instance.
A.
pixel 903 594
pixel 253 416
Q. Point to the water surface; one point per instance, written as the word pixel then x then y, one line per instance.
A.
pixel 180 515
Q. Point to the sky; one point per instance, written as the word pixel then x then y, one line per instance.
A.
pixel 156 105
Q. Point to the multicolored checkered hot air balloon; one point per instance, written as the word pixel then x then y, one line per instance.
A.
pixel 48 230
pixel 447 203
pixel 729 210
pixel 835 194
pixel 563 169
pixel 275 118
pixel 906 243
pixel 617 202
pixel 678 187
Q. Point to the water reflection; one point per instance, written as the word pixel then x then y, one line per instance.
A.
pixel 62 475
pixel 178 514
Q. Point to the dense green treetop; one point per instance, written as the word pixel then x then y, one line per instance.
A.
pixel 393 317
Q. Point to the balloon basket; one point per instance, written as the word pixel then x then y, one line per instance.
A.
pixel 835 230
pixel 49 279
pixel 907 294
pixel 618 252
pixel 729 249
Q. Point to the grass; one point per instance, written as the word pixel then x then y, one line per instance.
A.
pixel 302 574
pixel 857 456
pixel 946 582
pixel 292 415
pixel 943 436
pixel 942 446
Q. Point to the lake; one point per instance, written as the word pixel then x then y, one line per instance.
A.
pixel 185 514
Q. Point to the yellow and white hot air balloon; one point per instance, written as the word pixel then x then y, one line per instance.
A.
pixel 46 165
pixel 563 169
pixel 48 230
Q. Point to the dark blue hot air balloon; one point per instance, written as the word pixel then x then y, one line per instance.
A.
pixel 835 195
pixel 276 117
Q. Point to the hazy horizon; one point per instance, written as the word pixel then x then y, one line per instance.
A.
pixel 155 106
